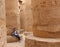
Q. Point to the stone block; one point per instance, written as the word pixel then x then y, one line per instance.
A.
pixel 32 41
pixel 46 18
pixel 11 39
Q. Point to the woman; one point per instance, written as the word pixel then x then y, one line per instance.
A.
pixel 15 33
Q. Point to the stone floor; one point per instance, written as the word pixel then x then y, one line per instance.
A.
pixel 21 43
pixel 33 41
pixel 17 44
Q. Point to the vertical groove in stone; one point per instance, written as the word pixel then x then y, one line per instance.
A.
pixel 27 17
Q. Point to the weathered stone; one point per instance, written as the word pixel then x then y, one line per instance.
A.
pixel 11 39
pixel 26 15
pixel 46 18
pixel 2 24
pixel 32 41
pixel 12 15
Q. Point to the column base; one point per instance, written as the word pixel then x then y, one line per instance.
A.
pixel 32 41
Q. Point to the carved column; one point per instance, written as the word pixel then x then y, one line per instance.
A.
pixel 12 13
pixel 46 15
pixel 27 15
pixel 2 24
pixel 46 24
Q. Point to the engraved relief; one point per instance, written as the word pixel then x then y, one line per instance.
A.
pixel 47 4
pixel 47 15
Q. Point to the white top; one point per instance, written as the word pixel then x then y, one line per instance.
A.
pixel 15 32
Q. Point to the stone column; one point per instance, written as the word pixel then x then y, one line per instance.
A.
pixel 2 24
pixel 27 15
pixel 46 15
pixel 46 24
pixel 12 15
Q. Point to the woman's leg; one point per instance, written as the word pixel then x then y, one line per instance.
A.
pixel 18 36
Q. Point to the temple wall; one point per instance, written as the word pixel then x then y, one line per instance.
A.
pixel 2 24
pixel 12 15
pixel 26 17
pixel 46 21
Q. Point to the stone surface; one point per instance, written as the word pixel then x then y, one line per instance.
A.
pixel 2 24
pixel 12 15
pixel 21 14
pixel 11 39
pixel 46 18
pixel 32 41
pixel 17 44
pixel 26 15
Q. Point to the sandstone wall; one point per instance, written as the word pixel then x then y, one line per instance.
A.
pixel 46 18
pixel 26 18
pixel 21 4
pixel 46 24
pixel 2 24
pixel 12 15
pixel 41 42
